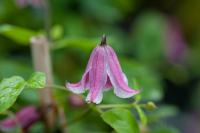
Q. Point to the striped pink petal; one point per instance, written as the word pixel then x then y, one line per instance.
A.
pixel 97 76
pixel 102 73
pixel 80 87
pixel 118 79
pixel 75 88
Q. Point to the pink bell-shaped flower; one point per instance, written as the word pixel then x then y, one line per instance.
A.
pixel 103 71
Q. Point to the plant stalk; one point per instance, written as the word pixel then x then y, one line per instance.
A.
pixel 42 62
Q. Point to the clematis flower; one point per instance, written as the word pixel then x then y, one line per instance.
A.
pixel 103 71
pixel 25 118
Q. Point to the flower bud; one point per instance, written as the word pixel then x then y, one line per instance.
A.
pixel 76 100
pixel 150 106
pixel 25 118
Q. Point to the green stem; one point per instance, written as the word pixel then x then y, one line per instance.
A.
pixel 57 87
pixel 105 106
pixel 133 105
pixel 142 105
pixel 95 108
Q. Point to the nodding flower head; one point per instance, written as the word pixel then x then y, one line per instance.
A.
pixel 25 118
pixel 103 72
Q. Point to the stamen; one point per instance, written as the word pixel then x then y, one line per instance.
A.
pixel 103 40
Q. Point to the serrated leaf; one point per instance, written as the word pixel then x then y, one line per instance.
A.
pixel 37 80
pixel 10 89
pixel 121 120
pixel 17 34
pixel 142 115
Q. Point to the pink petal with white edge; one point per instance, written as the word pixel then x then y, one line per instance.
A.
pixel 75 88
pixel 109 85
pixel 117 77
pixel 80 87
pixel 125 79
pixel 97 76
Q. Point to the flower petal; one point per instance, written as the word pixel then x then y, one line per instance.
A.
pixel 108 84
pixel 118 79
pixel 125 79
pixel 97 99
pixel 97 76
pixel 80 87
pixel 75 88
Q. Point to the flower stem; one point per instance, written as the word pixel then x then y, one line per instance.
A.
pixel 42 62
pixel 131 105
pixel 57 87
pixel 105 106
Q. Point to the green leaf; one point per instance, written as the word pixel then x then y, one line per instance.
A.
pixel 37 80
pixel 17 34
pixel 10 88
pixel 121 120
pixel 142 116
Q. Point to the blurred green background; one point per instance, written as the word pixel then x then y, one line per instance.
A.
pixel 157 42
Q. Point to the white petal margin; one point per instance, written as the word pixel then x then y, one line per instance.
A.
pixel 97 99
pixel 117 77
pixel 79 87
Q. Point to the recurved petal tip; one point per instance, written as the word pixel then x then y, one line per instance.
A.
pixel 117 77
pixel 136 92
pixel 75 88
pixel 97 99
pixel 124 93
